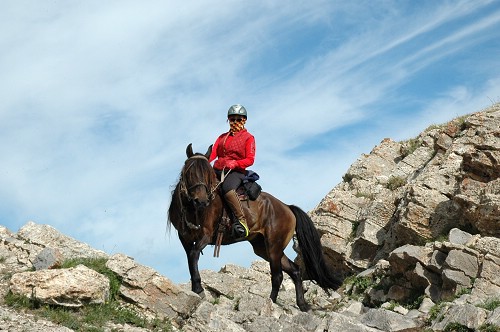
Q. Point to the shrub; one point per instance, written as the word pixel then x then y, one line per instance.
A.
pixel 409 146
pixel 415 302
pixel 489 328
pixel 354 229
pixel 456 327
pixel 395 182
pixel 360 284
pixel 435 310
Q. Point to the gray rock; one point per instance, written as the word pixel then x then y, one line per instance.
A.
pixel 467 315
pixel 387 320
pixel 338 322
pixel 459 237
pixel 47 236
pixel 426 305
pixel 48 258
pixel 494 317
pixel 452 279
pixel 462 261
pixel 437 260
pixel 147 289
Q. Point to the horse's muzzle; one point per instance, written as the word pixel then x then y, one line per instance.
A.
pixel 200 204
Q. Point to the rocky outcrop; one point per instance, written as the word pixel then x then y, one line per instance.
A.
pixel 415 192
pixel 413 227
pixel 72 287
pixel 147 289
pixel 398 294
pixel 440 271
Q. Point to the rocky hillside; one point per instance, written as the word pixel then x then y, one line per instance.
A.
pixel 413 229
pixel 415 192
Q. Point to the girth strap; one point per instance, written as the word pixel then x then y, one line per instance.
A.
pixel 221 226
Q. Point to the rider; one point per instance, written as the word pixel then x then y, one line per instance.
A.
pixel 235 151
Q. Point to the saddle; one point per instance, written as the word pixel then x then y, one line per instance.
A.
pixel 250 188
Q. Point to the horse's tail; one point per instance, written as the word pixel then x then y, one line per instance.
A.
pixel 312 251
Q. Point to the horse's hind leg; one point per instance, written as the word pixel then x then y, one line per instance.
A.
pixel 274 260
pixel 276 275
pixel 293 271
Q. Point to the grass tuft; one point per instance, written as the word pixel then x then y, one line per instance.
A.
pixel 395 182
pixel 491 304
pixel 457 327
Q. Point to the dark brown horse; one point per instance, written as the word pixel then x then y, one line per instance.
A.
pixel 196 211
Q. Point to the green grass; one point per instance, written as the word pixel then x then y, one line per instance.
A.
pixel 395 182
pixel 456 327
pixel 463 291
pixel 409 146
pixel 435 310
pixel 236 306
pixel 354 229
pixel 359 283
pixel 90 318
pixel 489 328
pixel 415 302
pixel 491 304
pixel 392 305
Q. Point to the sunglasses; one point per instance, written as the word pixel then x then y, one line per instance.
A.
pixel 236 119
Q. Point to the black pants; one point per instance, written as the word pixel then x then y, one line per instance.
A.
pixel 231 181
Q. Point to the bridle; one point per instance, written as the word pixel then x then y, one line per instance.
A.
pixel 184 191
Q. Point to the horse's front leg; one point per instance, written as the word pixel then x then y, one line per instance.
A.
pixel 193 251
pixel 193 256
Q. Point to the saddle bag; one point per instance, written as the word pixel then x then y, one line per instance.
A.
pixel 252 188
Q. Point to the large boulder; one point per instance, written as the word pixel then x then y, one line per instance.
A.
pixel 73 287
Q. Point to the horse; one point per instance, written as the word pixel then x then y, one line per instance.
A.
pixel 197 208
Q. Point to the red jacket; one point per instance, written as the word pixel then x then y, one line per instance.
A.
pixel 239 147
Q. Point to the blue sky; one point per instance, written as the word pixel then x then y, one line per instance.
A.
pixel 98 101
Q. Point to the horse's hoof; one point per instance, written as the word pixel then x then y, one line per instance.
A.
pixel 305 308
pixel 202 294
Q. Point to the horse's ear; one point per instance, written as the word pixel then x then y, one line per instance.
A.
pixel 209 151
pixel 189 150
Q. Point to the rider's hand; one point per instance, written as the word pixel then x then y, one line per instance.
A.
pixel 232 164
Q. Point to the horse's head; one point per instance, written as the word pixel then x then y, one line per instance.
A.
pixel 198 178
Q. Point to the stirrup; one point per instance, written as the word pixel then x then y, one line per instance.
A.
pixel 240 230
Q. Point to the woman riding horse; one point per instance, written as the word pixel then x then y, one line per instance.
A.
pixel 234 151
pixel 196 211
